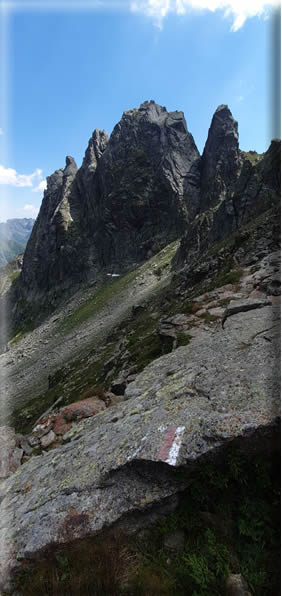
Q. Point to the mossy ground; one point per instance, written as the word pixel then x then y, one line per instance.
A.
pixel 71 382
pixel 113 287
pixel 230 523
pixel 253 156
pixel 144 346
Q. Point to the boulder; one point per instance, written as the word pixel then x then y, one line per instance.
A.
pixel 48 439
pixel 10 453
pixel 60 426
pixel 188 406
pixel 83 409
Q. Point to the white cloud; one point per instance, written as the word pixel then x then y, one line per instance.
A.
pixel 238 10
pixel 41 186
pixel 30 211
pixel 1 132
pixel 10 177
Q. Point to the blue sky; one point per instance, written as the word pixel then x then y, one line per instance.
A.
pixel 70 70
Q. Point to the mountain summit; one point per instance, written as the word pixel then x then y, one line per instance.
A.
pixel 125 203
pixel 135 192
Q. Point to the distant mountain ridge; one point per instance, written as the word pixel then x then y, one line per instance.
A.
pixel 14 234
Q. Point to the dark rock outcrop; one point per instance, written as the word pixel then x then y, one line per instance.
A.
pixel 139 201
pixel 221 158
pixel 135 192
pixel 253 189
pixel 127 201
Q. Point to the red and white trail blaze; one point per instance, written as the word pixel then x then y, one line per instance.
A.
pixel 171 445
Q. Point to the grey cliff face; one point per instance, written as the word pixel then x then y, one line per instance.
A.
pixel 137 191
pixel 221 156
pixel 44 262
pixel 96 146
pixel 139 200
pixel 229 203
pixel 125 203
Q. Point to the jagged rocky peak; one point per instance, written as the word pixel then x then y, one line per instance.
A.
pixel 221 156
pixel 140 183
pixel 255 190
pixel 96 147
pixel 71 167
pixel 56 180
pixel 222 143
pixel 124 204
pixel 161 136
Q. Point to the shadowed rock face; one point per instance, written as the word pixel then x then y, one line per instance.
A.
pixel 51 251
pixel 139 203
pixel 221 157
pixel 136 192
pixel 254 189
pixel 123 205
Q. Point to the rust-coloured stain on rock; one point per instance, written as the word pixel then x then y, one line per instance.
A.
pixel 74 525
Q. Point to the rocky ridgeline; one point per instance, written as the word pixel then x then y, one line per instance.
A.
pixel 131 197
pixel 135 192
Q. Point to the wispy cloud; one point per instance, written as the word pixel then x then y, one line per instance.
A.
pixel 41 186
pixel 30 210
pixel 10 177
pixel 238 10
pixel 239 98
pixel 1 132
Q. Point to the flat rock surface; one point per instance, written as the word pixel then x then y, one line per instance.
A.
pixel 221 387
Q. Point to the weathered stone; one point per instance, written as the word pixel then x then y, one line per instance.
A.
pixel 118 386
pixel 219 391
pixel 135 180
pixel 48 439
pixel 236 585
pixel 23 444
pixel 10 453
pixel 231 196
pixel 237 306
pixel 221 156
pixel 60 426
pixel 83 409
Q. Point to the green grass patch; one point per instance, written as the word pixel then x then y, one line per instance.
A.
pixel 13 276
pixel 113 287
pixel 102 298
pixel 23 418
pixel 183 339
pixel 253 157
pixel 208 318
pixel 69 383
pixel 16 338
